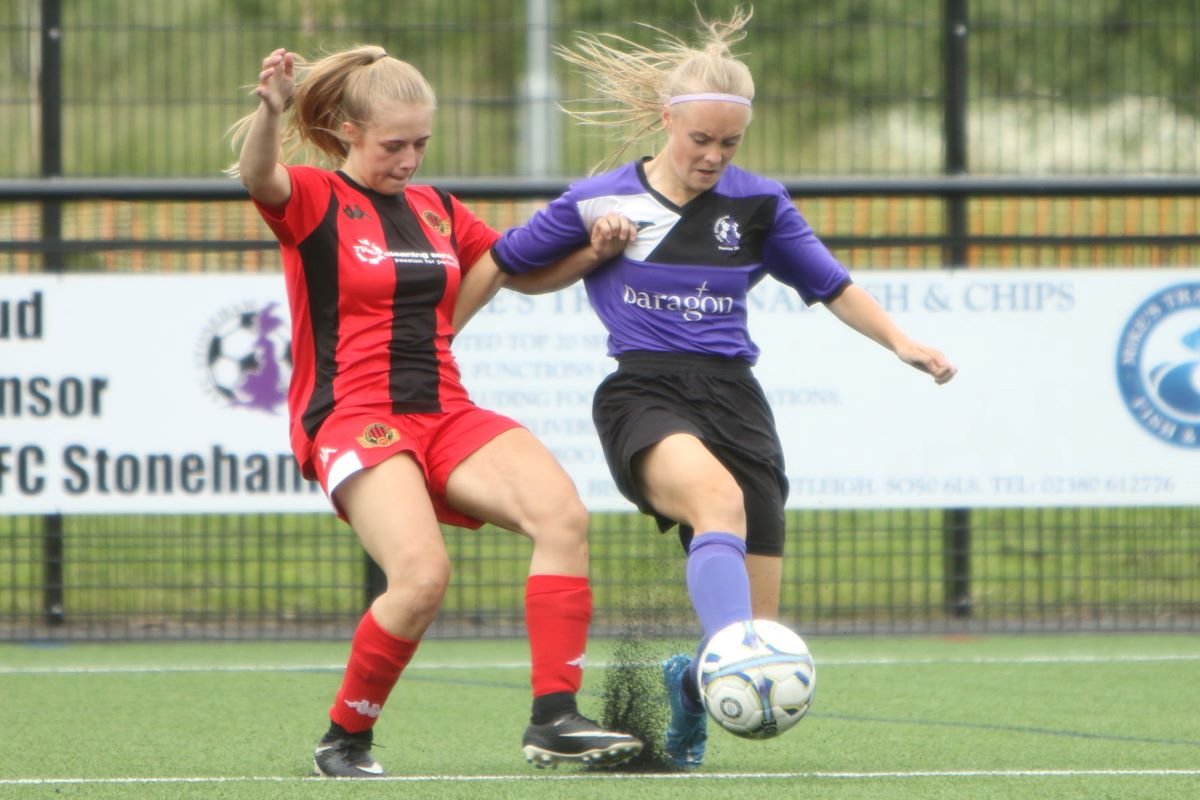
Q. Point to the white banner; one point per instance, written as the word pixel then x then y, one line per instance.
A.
pixel 165 393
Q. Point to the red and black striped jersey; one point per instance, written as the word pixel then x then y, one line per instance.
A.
pixel 371 281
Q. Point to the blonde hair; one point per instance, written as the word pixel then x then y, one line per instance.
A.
pixel 632 82
pixel 338 88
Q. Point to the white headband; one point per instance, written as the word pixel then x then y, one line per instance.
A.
pixel 726 98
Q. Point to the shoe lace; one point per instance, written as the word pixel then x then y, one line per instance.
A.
pixel 355 744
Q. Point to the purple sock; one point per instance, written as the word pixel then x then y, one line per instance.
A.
pixel 720 592
pixel 717 581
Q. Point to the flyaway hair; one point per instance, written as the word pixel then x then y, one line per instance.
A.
pixel 629 83
pixel 347 86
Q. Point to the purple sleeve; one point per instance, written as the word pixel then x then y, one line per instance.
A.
pixel 795 256
pixel 550 234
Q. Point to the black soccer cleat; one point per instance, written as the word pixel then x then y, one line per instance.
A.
pixel 346 755
pixel 575 738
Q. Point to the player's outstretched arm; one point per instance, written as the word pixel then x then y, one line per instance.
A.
pixel 611 234
pixel 858 309
pixel 258 161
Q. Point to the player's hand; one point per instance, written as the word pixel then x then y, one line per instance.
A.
pixel 277 80
pixel 927 360
pixel 611 234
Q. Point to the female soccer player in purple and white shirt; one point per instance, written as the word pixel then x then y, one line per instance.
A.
pixel 685 427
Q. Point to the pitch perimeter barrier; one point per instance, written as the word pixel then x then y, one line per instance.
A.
pixel 887 570
pixel 1060 221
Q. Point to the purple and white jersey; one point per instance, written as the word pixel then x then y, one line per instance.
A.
pixel 682 285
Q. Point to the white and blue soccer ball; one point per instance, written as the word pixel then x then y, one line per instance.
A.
pixel 756 678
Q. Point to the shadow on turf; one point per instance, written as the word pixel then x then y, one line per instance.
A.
pixel 636 702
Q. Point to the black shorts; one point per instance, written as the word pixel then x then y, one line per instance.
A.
pixel 717 400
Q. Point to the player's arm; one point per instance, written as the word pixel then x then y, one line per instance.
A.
pixel 478 286
pixel 259 169
pixel 857 308
pixel 610 234
pixel 484 279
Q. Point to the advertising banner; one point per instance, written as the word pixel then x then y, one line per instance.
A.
pixel 167 393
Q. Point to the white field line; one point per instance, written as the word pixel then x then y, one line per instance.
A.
pixel 614 776
pixel 500 665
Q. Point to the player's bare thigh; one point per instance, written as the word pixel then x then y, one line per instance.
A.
pixel 389 508
pixel 684 481
pixel 514 482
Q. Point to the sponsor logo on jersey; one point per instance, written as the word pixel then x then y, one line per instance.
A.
pixel 728 234
pixel 692 308
pixel 442 226
pixel 378 435
pixel 353 211
pixel 370 253
pixel 325 453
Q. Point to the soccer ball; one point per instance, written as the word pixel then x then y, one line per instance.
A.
pixel 756 678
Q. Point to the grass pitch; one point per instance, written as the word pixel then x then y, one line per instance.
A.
pixel 1000 717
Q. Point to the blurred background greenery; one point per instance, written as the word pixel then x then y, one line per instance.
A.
pixel 845 87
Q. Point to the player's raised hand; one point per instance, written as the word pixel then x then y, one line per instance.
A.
pixel 611 234
pixel 927 360
pixel 277 79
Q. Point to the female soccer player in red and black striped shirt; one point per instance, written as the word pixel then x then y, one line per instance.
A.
pixel 378 413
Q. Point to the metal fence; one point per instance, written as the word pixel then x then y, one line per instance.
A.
pixel 116 88
pixel 123 105
pixel 276 577
pixel 939 570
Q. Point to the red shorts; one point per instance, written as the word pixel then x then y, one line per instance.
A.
pixel 359 438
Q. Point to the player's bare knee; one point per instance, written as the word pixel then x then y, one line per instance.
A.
pixel 423 595
pixel 418 589
pixel 561 538
pixel 721 507
pixel 573 517
pixel 563 515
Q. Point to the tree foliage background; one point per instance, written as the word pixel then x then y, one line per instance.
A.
pixel 844 86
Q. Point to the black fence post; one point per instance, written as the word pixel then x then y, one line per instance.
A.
pixel 53 603
pixel 956 522
pixel 50 88
pixel 376 581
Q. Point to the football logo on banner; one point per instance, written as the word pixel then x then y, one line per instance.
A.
pixel 246 354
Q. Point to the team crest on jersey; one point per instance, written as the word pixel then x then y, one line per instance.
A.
pixel 728 234
pixel 378 435
pixel 442 226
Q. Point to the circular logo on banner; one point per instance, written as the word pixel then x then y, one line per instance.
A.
pixel 1158 364
pixel 246 354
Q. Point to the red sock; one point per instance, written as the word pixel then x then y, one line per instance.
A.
pixel 558 609
pixel 376 660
